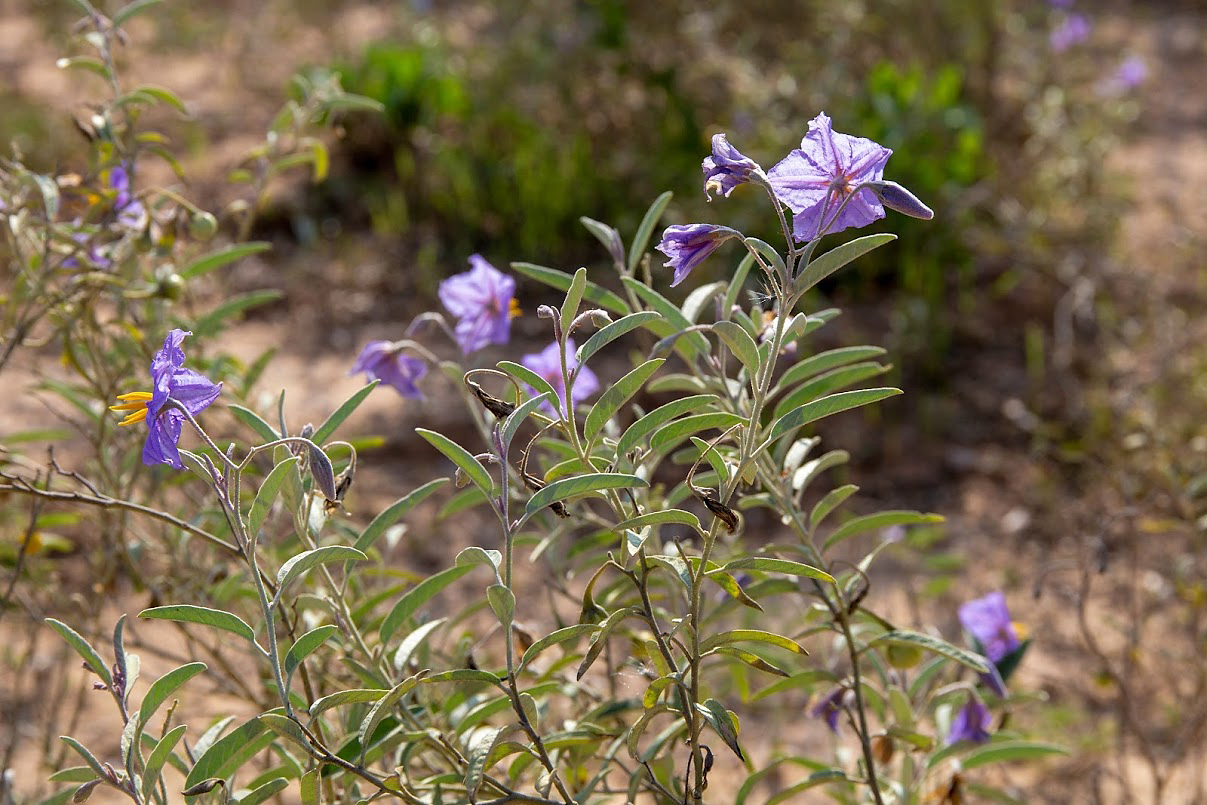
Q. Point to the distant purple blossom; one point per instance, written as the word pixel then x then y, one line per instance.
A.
pixel 971 723
pixel 726 168
pixel 130 211
pixel 1072 30
pixel 829 707
pixel 384 361
pixel 988 620
pixel 1130 74
pixel 547 363
pixel 689 245
pixel 815 180
pixel 483 300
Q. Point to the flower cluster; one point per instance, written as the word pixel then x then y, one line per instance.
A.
pixel 832 182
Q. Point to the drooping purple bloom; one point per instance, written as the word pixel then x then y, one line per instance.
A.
pixel 483 300
pixel 689 245
pixel 971 723
pixel 726 168
pixel 988 620
pixel 130 211
pixel 1072 30
pixel 384 361
pixel 829 707
pixel 170 381
pixel 547 364
pixel 815 180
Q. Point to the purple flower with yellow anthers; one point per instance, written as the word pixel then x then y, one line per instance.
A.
pixel 548 364
pixel 483 300
pixel 726 168
pixel 988 621
pixel 690 245
pixel 820 181
pixel 170 381
pixel 385 361
pixel 971 723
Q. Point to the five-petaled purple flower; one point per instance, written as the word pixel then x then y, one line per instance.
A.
pixel 483 300
pixel 817 180
pixel 170 380
pixel 726 168
pixel 971 723
pixel 829 707
pixel 688 246
pixel 988 620
pixel 1072 30
pixel 385 361
pixel 547 363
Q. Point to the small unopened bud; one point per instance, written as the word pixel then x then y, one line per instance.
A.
pixel 546 312
pixel 202 225
pixel 599 318
pixel 897 198
pixel 204 787
pixel 170 286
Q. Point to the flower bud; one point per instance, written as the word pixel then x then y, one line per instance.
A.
pixel 202 225
pixel 897 198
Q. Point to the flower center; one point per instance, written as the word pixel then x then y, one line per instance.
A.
pixel 513 309
pixel 136 403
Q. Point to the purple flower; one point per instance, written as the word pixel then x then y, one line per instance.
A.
pixel 815 180
pixel 384 361
pixel 829 707
pixel 988 621
pixel 547 363
pixel 971 723
pixel 1072 30
pixel 171 381
pixel 130 211
pixel 689 246
pixel 483 300
pixel 1130 74
pixel 726 168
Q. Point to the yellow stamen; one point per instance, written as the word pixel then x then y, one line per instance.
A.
pixel 136 403
pixel 1020 630
pixel 513 309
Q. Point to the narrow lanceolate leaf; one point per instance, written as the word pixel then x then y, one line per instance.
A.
pixel 833 499
pixel 212 322
pixel 164 687
pixel 561 281
pixel 529 377
pixel 675 516
pixel 645 230
pixel 874 522
pixel 672 434
pixel 394 513
pixel 826 406
pixel 740 344
pixel 267 494
pixel 752 635
pixel 724 722
pixel 304 646
pixel 383 706
pixel 83 752
pixel 159 755
pixel 643 427
pixel 215 618
pixel 617 395
pixel 916 639
pixel 216 259
pixel 472 468
pixel 773 565
pixel 327 429
pixel 562 635
pixel 692 344
pixel 286 727
pixel 230 752
pixel 574 297
pixel 611 332
pixel 502 603
pixel 298 565
pixel 601 639
pixel 417 596
pixel 355 696
pixel 838 257
pixel 252 420
pixel 516 418
pixel 633 740
pixel 1009 750
pixel 827 383
pixel 748 657
pixel 84 649
pixel 479 745
pixel 581 485
pixel 264 792
pixel 411 643
pixel 825 361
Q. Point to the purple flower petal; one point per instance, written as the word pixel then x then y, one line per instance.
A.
pixel 548 365
pixel 816 179
pixel 726 168
pixel 481 299
pixel 971 723
pixel 689 246
pixel 382 360
pixel 171 381
pixel 829 707
pixel 988 620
